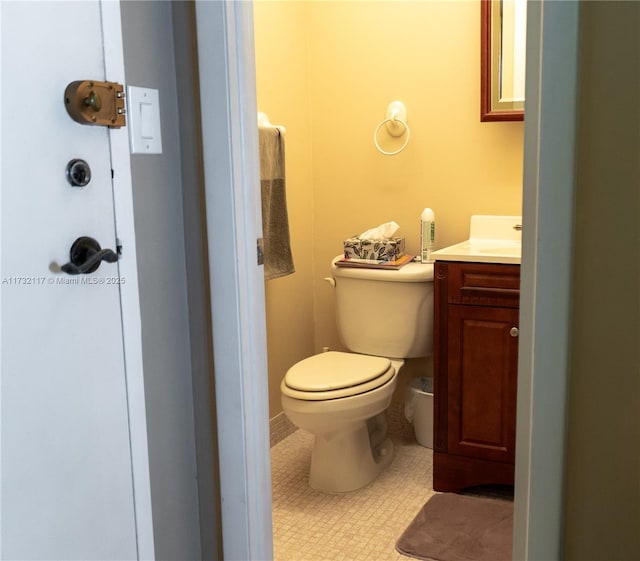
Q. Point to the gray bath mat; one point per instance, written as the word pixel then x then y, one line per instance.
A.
pixel 453 527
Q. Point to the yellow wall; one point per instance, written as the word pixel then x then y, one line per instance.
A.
pixel 327 71
pixel 282 76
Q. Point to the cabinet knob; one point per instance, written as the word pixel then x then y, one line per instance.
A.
pixel 514 332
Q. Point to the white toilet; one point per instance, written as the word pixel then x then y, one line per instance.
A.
pixel 383 316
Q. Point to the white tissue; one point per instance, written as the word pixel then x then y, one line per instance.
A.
pixel 382 232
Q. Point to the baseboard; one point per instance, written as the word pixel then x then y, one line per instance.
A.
pixel 279 428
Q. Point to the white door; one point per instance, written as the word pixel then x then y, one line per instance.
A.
pixel 67 483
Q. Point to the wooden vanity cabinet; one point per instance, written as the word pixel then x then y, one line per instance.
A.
pixel 475 374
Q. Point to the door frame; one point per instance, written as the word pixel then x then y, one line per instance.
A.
pixel 547 251
pixel 231 175
pixel 129 294
pixel 227 82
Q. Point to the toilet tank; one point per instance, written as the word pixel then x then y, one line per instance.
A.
pixel 385 313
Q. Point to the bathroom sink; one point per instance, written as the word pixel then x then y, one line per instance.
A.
pixel 492 239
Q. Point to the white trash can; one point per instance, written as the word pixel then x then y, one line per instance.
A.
pixel 418 408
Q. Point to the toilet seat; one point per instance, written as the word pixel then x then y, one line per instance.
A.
pixel 333 375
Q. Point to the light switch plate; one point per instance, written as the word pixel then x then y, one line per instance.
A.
pixel 143 115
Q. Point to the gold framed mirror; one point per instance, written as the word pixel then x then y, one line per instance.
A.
pixel 502 52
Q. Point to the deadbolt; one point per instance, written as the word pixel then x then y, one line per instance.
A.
pixel 90 102
pixel 78 173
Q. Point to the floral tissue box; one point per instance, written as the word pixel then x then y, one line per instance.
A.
pixel 380 250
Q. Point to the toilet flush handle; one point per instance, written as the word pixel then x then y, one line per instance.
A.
pixel 330 280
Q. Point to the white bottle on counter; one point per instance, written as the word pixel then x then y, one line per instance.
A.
pixel 427 234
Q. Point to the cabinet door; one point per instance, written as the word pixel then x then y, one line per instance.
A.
pixel 482 370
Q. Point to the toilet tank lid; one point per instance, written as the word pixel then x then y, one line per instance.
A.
pixel 335 370
pixel 411 272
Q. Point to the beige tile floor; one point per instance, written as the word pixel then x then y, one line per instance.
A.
pixel 363 525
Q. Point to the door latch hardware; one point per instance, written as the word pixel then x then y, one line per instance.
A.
pixel 86 255
pixel 78 173
pixel 90 102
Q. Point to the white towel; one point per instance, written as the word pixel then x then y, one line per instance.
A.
pixel 278 260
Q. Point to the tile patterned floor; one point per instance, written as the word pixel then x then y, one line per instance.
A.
pixel 363 525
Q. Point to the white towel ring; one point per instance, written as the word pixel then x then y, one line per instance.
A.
pixel 396 115
pixel 392 120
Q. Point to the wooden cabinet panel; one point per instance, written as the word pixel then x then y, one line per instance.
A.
pixel 480 284
pixel 475 364
pixel 481 389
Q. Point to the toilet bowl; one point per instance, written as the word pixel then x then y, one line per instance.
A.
pixel 342 397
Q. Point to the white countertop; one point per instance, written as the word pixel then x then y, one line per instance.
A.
pixel 487 251
pixel 492 239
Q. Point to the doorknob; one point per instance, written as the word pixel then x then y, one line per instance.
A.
pixel 86 255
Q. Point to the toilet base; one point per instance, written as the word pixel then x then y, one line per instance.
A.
pixel 348 459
